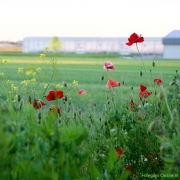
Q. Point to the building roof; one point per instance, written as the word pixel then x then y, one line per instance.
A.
pixel 173 38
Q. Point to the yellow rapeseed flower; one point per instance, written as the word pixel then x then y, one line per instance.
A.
pixel 33 80
pixel 42 56
pixel 34 73
pixel 45 86
pixel 25 82
pixel 75 82
pixel 1 74
pixel 38 69
pixel 4 61
pixel 20 70
pixel 58 86
pixel 8 82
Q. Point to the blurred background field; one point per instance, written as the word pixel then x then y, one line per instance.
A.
pixel 87 69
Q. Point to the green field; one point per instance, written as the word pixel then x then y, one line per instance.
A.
pixel 87 70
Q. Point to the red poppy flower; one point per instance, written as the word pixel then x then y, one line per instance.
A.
pixel 158 81
pixel 37 104
pixel 109 65
pixel 143 92
pixel 54 95
pixel 134 38
pixel 82 91
pixel 129 168
pixel 119 152
pixel 112 83
pixel 54 109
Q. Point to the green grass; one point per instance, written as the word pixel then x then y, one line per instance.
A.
pixel 88 71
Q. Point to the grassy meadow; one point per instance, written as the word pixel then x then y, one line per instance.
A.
pixel 87 70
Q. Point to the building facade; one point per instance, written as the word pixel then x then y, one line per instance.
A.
pixel 172 45
pixel 81 45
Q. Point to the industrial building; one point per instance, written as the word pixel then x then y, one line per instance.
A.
pixel 81 45
pixel 172 45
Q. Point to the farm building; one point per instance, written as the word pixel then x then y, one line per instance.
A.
pixel 172 45
pixel 81 45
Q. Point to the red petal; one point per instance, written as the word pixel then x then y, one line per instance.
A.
pixel 142 87
pixel 158 81
pixel 109 65
pixel 82 91
pixel 119 152
pixel 112 83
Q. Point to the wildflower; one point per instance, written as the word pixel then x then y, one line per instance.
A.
pixel 58 86
pixel 1 74
pixel 25 82
pixel 4 61
pixel 112 83
pixel 75 83
pixel 109 65
pixel 82 91
pixel 29 72
pixel 14 87
pixel 54 109
pixel 143 92
pixel 42 56
pixel 34 73
pixel 8 82
pixel 20 70
pixel 38 69
pixel 33 80
pixel 45 86
pixel 134 38
pixel 119 152
pixel 132 105
pixel 46 49
pixel 37 104
pixel 158 81
pixel 55 95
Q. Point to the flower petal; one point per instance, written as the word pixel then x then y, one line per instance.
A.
pixel 82 91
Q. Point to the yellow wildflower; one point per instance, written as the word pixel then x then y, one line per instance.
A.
pixel 20 70
pixel 8 82
pixel 46 49
pixel 1 74
pixel 58 86
pixel 29 72
pixel 42 56
pixel 33 80
pixel 45 86
pixel 4 61
pixel 34 73
pixel 25 82
pixel 75 83
pixel 14 87
pixel 38 69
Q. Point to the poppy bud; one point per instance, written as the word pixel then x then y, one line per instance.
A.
pixel 65 84
pixel 39 116
pixel 152 126
pixel 102 77
pixel 123 82
pixel 65 98
pixel 69 103
pixel 29 99
pixel 131 88
pixel 150 70
pixel 140 73
pixel 153 64
pixel 107 97
pixel 108 102
pixel 79 111
pixel 119 84
pixel 176 71
pixel 172 83
pixel 19 98
pixel 100 118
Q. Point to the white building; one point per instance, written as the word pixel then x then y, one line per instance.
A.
pixel 94 45
pixel 172 45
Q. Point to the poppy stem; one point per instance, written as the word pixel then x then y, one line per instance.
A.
pixel 141 57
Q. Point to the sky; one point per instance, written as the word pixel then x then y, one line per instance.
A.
pixel 87 18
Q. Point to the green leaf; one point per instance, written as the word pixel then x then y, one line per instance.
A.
pixel 124 175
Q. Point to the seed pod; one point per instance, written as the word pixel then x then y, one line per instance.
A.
pixel 65 84
pixel 19 98
pixel 152 126
pixel 140 73
pixel 153 64
pixel 65 98
pixel 29 98
pixel 79 111
pixel 102 77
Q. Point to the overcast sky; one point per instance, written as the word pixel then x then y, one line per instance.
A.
pixel 87 18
